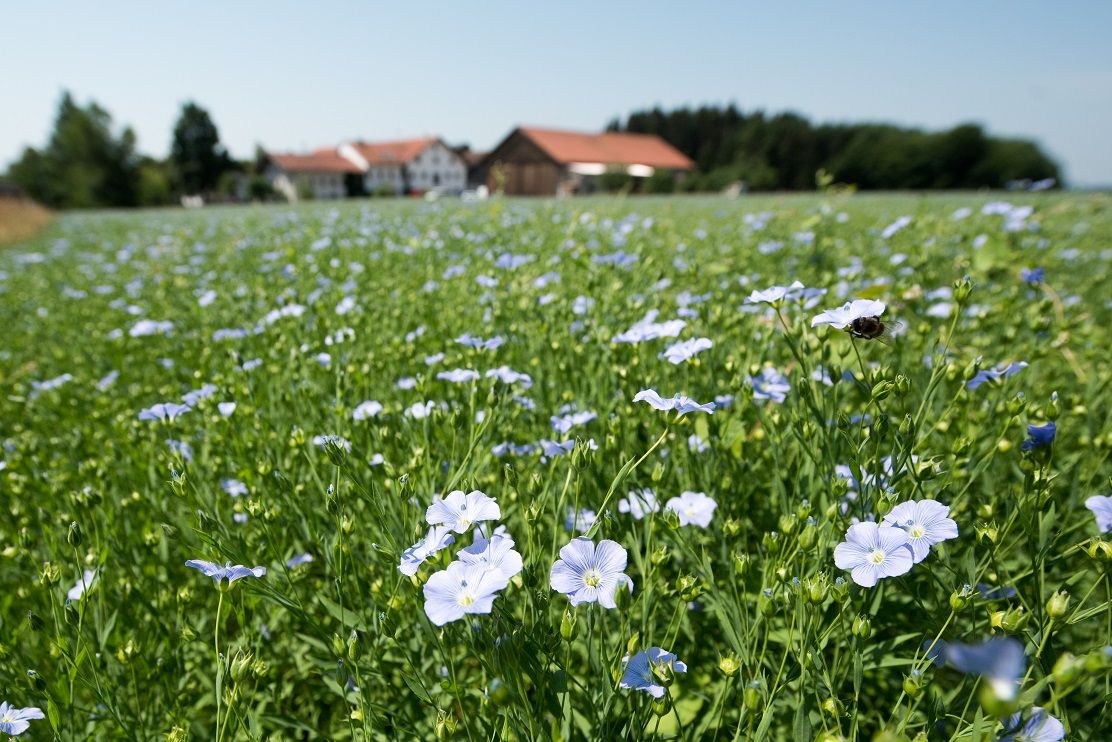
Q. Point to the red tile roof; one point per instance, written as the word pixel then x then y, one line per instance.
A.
pixel 608 148
pixel 392 153
pixel 324 160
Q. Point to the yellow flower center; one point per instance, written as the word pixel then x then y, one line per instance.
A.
pixel 466 599
pixel 592 578
pixel 876 556
pixel 917 531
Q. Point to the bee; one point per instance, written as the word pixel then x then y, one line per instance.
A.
pixel 873 328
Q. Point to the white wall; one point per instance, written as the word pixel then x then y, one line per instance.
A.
pixel 437 167
pixel 322 185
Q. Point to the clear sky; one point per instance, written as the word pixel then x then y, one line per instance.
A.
pixel 298 75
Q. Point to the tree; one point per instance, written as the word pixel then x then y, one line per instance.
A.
pixel 195 153
pixel 83 164
pixel 784 151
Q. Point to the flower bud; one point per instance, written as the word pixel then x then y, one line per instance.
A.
pixel 831 706
pixel 50 573
pixel 658 473
pixel 633 642
pixel 765 604
pixel 1017 404
pixel 881 390
pixel 986 532
pixel 862 627
pixel 962 288
pixel 839 589
pixel 569 629
pixel 958 602
pixel 903 385
pixel 353 650
pixel 1067 669
pixel 971 369
pixel 751 696
pixel 838 487
pixel 177 734
pixel 36 681
pixel 729 665
pixel 816 588
pixel 808 536
pixel 664 673
pixel 1058 605
pixel 770 540
pixel 339 648
pixel 1099 549
pixel 1012 620
pixel 623 596
pixel 742 563
pixel 1052 410
pixel 35 621
pixel 731 527
pixel 241 666
pixel 662 706
pixel 445 725
pixel 912 684
pixel 75 537
pixel 660 555
pixel 788 522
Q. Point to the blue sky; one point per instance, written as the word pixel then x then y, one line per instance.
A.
pixel 293 76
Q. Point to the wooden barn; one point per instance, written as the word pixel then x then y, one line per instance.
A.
pixel 532 161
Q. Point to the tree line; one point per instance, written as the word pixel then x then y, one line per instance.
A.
pixel 784 152
pixel 88 163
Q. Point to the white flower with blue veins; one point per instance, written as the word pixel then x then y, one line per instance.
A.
pixel 692 508
pixel 14 721
pixel 926 523
pixel 842 317
pixel 1101 508
pixel 436 539
pixel 460 511
pixel 461 589
pixel 587 573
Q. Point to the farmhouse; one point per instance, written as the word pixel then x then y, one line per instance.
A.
pixel 408 165
pixel 549 162
pixel 359 168
pixel 323 173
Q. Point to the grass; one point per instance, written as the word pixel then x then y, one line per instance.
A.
pixel 299 315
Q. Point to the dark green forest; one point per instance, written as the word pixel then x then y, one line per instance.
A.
pixel 785 150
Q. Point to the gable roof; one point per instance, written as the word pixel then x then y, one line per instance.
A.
pixel 608 148
pixel 324 160
pixel 392 153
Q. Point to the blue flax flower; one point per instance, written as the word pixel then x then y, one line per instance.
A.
pixel 1039 726
pixel 590 574
pixel 1000 661
pixel 460 511
pixel 230 572
pixel 681 404
pixel 639 674
pixel 1101 508
pixel 1039 436
pixel 462 588
pixel 926 523
pixel 871 553
pixel 14 721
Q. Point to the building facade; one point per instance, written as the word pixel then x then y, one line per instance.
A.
pixel 532 161
pixel 321 174
pixel 369 168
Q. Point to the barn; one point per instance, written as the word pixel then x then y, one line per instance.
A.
pixel 533 161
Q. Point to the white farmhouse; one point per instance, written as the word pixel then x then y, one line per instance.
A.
pixel 408 165
pixel 323 173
